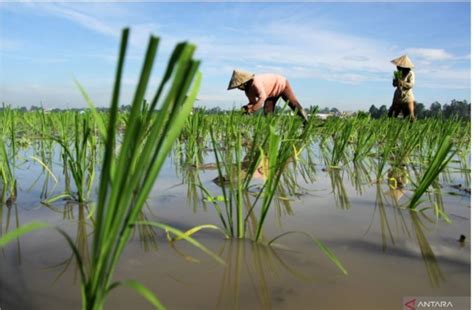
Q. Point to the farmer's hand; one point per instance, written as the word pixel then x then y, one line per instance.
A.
pixel 250 108
pixel 245 109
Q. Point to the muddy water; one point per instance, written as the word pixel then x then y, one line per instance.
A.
pixel 388 251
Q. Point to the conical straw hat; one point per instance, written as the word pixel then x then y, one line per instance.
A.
pixel 403 61
pixel 238 78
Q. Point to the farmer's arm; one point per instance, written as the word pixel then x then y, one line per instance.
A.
pixel 259 91
pixel 410 82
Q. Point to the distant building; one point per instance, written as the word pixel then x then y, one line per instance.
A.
pixel 348 113
pixel 324 115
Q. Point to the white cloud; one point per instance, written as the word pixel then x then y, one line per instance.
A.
pixel 297 48
pixel 430 54
pixel 83 19
pixel 99 19
pixel 293 46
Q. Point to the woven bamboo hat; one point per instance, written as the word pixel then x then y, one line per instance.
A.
pixel 238 78
pixel 403 61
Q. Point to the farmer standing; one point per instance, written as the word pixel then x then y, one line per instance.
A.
pixel 265 90
pixel 403 99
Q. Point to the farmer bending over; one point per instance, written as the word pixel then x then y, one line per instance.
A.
pixel 404 80
pixel 265 90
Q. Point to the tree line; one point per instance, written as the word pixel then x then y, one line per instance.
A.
pixel 457 108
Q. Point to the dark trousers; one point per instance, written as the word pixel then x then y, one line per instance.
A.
pixel 289 96
pixel 407 108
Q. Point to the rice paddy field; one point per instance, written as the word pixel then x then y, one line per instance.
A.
pixel 180 209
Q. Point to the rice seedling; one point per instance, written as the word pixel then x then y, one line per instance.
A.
pixel 364 140
pixel 339 190
pixel 341 137
pixel 127 177
pixel 385 147
pixel 438 163
pixel 360 176
pixel 431 263
pixel 79 161
pixel 408 140
pixel 8 181
pixel 277 146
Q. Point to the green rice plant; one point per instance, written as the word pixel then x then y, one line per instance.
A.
pixel 360 176
pixel 9 126
pixel 237 178
pixel 365 139
pixel 307 165
pixel 464 167
pixel 275 137
pixel 192 136
pixel 385 147
pixel 7 179
pixel 127 177
pixel 339 190
pixel 433 269
pixel 280 147
pixel 192 179
pixel 409 138
pixel 79 160
pixel 438 203
pixel 340 140
pixel 438 163
pixel 397 75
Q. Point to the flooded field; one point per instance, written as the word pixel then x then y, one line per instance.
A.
pixel 357 207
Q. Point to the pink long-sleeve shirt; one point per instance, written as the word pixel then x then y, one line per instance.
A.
pixel 264 86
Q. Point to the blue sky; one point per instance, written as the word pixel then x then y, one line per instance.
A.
pixel 334 54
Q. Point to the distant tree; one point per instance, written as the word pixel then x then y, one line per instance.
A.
pixel 374 111
pixel 420 111
pixel 125 107
pixel 335 111
pixel 457 109
pixel 435 109
pixel 215 110
pixel 312 109
pixel 460 109
pixel 362 114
